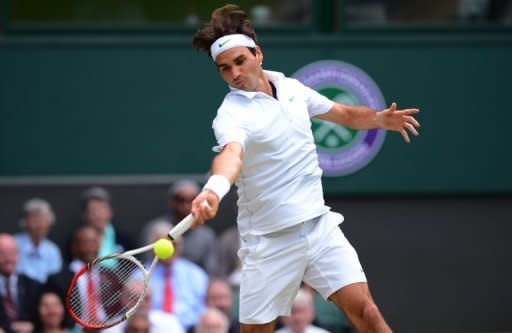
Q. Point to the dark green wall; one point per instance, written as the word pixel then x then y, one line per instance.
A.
pixel 144 105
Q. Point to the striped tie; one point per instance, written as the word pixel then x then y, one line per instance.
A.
pixel 92 310
pixel 10 307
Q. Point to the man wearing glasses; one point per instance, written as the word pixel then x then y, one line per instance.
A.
pixel 198 243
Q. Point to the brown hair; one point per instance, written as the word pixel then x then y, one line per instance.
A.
pixel 226 20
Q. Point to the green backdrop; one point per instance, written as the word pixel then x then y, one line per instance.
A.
pixel 144 105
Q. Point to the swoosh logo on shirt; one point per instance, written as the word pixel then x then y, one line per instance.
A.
pixel 222 44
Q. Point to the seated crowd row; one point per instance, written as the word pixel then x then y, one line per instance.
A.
pixel 193 291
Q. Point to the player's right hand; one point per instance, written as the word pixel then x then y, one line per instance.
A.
pixel 204 207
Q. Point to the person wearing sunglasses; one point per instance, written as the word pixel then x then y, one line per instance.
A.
pixel 198 243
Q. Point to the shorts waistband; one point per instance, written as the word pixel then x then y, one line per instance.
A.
pixel 302 227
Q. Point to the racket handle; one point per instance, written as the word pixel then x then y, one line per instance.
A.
pixel 184 224
pixel 181 227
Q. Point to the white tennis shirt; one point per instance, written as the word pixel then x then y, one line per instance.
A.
pixel 280 181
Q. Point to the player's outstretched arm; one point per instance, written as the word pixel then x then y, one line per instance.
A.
pixel 362 117
pixel 226 167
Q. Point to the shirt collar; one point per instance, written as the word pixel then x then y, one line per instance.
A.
pixel 272 76
pixel 28 245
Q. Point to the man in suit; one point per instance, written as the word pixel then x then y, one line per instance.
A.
pixel 84 248
pixel 18 291
pixel 178 284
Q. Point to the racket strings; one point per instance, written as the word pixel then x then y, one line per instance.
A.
pixel 103 295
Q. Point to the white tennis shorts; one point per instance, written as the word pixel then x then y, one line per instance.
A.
pixel 273 266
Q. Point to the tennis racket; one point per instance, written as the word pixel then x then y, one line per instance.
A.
pixel 100 294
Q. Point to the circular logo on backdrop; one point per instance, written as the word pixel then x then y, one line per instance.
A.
pixel 341 150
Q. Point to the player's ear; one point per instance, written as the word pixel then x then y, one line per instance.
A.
pixel 259 54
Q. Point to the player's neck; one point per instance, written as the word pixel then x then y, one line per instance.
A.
pixel 267 87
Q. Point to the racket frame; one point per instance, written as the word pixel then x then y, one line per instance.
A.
pixel 175 232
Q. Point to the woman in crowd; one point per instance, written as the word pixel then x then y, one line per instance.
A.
pixel 50 316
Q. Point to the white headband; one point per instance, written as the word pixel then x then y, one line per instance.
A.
pixel 228 42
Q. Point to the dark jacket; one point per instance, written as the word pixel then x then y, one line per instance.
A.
pixel 27 293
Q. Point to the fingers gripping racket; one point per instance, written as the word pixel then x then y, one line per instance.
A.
pixel 108 290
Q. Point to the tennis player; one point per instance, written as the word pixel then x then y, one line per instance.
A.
pixel 266 147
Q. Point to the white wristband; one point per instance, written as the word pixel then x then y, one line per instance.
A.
pixel 218 184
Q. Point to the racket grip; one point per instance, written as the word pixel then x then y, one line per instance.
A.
pixel 181 227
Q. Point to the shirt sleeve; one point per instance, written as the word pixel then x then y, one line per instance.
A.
pixel 228 129
pixel 316 102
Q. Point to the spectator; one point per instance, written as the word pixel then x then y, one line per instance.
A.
pixel 227 249
pixel 84 248
pixel 302 315
pixel 212 320
pixel 139 323
pixel 179 285
pixel 38 256
pixel 50 314
pixel 97 212
pixel 220 296
pixel 159 321
pixel 199 244
pixel 18 291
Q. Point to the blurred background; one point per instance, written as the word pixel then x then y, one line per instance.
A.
pixel 111 93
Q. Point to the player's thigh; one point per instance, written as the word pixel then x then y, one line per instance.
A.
pixel 335 263
pixel 271 275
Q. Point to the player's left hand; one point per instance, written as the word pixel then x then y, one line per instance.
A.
pixel 399 120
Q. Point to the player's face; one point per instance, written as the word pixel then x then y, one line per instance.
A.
pixel 240 68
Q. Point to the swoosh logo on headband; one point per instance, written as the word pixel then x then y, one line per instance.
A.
pixel 222 44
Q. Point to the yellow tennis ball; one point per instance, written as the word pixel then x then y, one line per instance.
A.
pixel 163 249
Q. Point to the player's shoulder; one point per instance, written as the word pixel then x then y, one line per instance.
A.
pixel 230 111
pixel 235 98
pixel 232 101
pixel 281 78
pixel 291 83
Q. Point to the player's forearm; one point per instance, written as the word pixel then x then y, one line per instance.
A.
pixel 353 116
pixel 225 169
pixel 228 163
pixel 360 117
